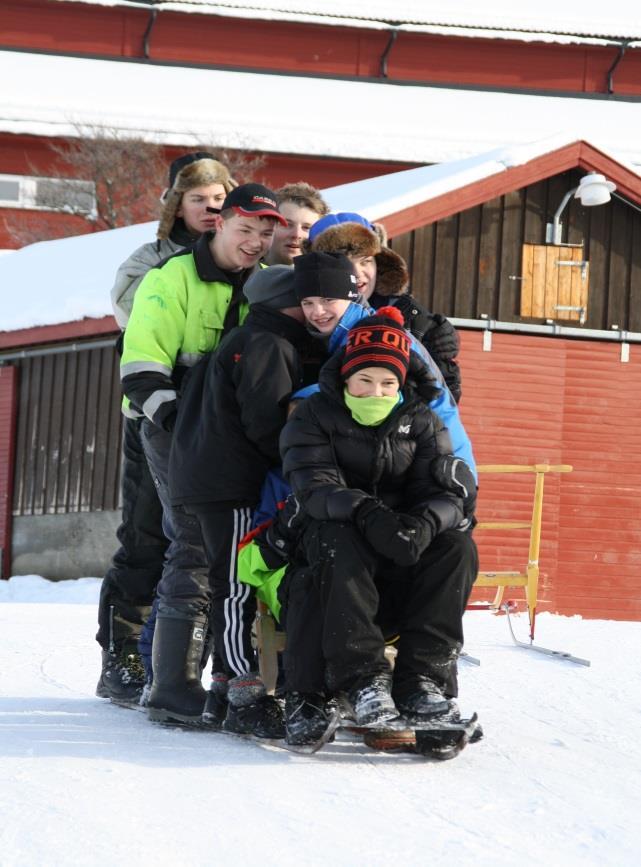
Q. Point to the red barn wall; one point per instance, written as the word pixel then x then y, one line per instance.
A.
pixel 27 155
pixel 316 49
pixel 537 399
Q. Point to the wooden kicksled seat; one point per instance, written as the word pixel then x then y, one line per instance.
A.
pixel 271 641
pixel 528 576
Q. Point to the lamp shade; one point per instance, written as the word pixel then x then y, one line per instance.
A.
pixel 594 189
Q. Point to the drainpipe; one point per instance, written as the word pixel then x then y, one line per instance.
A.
pixel 390 42
pixel 622 49
pixel 147 37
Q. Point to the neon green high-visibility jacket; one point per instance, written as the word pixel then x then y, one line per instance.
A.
pixel 181 310
pixel 253 570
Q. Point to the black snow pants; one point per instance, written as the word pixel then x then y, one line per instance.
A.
pixel 342 606
pixel 128 587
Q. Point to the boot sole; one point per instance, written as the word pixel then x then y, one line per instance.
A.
pixel 162 715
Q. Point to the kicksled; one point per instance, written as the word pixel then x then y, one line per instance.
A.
pixel 439 739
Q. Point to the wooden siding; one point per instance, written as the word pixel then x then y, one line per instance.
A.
pixel 544 399
pixel 68 433
pixel 8 380
pixel 469 265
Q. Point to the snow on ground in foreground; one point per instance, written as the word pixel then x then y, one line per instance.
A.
pixel 557 781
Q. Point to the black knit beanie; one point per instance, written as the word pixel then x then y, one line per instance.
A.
pixel 329 275
pixel 378 341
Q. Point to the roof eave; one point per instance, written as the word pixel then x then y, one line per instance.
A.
pixel 63 332
pixel 578 154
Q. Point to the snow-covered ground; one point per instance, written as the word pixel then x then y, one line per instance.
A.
pixel 557 781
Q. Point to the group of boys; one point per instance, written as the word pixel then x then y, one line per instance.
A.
pixel 215 344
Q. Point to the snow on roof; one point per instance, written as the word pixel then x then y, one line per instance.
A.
pixel 571 21
pixel 376 198
pixel 65 280
pixel 291 114
pixel 68 279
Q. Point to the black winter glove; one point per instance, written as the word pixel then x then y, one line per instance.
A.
pixel 417 319
pixel 282 535
pixel 398 537
pixel 442 339
pixel 453 474
pixel 341 504
pixel 447 514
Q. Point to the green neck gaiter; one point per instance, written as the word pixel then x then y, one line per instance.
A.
pixel 370 411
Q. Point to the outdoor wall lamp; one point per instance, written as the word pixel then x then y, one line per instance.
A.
pixel 593 189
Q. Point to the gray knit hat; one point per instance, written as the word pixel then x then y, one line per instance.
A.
pixel 273 286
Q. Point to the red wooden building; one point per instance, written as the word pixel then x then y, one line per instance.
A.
pixel 422 59
pixel 559 388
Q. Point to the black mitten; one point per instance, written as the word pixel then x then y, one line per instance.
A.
pixel 453 474
pixel 442 339
pixel 282 535
pixel 398 537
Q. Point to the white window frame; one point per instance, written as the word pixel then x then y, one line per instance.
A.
pixel 28 190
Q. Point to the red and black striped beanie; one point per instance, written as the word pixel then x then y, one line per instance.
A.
pixel 378 341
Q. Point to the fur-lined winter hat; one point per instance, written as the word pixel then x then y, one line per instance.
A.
pixel 199 171
pixel 353 235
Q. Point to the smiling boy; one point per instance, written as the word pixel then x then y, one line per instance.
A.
pixel 181 311
pixel 302 206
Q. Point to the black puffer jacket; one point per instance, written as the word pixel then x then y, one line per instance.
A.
pixel 333 463
pixel 232 409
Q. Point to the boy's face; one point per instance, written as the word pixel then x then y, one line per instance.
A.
pixel 365 270
pixel 372 382
pixel 324 314
pixel 194 204
pixel 288 239
pixel 241 242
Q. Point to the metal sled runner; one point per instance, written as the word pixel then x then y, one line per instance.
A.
pixel 528 578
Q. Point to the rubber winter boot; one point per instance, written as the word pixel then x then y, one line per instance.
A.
pixel 177 694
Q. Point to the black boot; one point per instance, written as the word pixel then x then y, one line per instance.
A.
pixel 371 700
pixel 420 697
pixel 216 704
pixel 305 717
pixel 251 711
pixel 122 677
pixel 177 694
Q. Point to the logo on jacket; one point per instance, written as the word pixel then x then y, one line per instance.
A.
pixel 404 428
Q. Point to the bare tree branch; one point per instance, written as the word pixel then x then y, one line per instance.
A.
pixel 113 180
